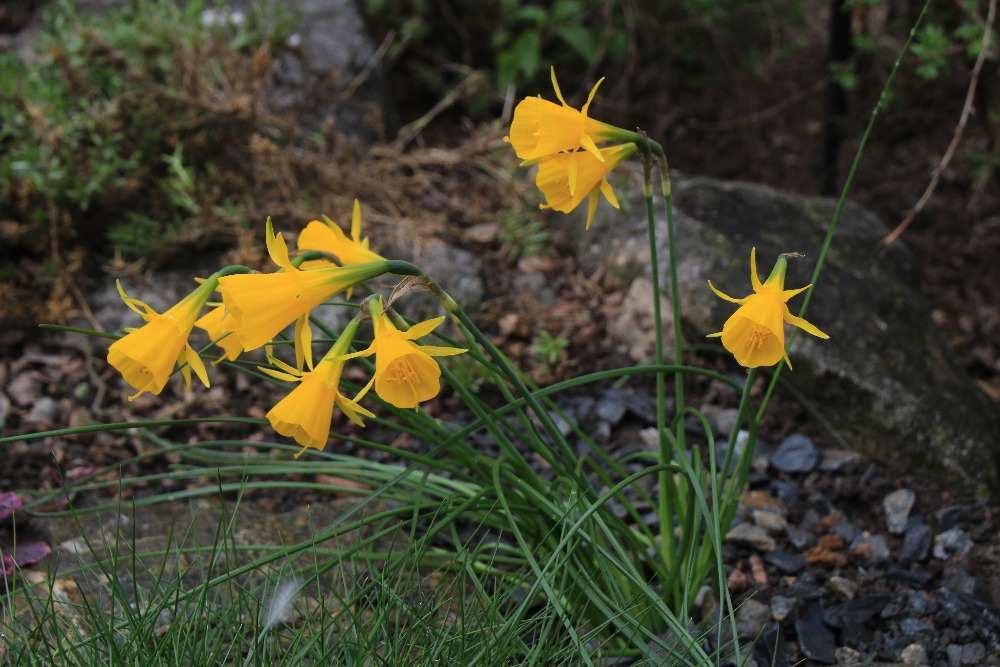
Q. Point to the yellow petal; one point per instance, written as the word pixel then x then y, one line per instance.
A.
pixel 555 86
pixel 609 194
pixel 303 342
pixel 591 208
pixel 725 297
pixel 141 308
pixel 808 327
pixel 789 293
pixel 287 377
pixel 356 221
pixel 588 145
pixel 572 170
pixel 197 365
pixel 440 351
pixel 590 97
pixel 754 276
pixel 421 329
pixel 277 248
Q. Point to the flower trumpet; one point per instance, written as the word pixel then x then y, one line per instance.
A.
pixel 263 304
pixel 755 334
pixel 306 412
pixel 541 128
pixel 566 179
pixel 146 356
pixel 405 373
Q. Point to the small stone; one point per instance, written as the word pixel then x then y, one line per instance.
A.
pixel 920 603
pixel 827 552
pixel 847 531
pixel 857 612
pixel 916 544
pixel 43 412
pixel 914 654
pixel 953 541
pixel 815 639
pixel 787 492
pixel 785 562
pixel 800 538
pixel 737 581
pixel 848 657
pixel 954 652
pixel 949 517
pixel 835 460
pixel 758 572
pixel 797 453
pixel 843 587
pixel 760 500
pixel 751 618
pixel 897 506
pixel 913 626
pixel 611 406
pixel 973 654
pixel 770 521
pixel 870 548
pixel 961 581
pixel 781 607
pixel 752 535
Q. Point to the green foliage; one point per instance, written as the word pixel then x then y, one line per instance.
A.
pixel 516 40
pixel 523 234
pixel 107 121
pixel 549 349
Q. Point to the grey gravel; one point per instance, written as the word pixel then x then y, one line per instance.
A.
pixel 843 587
pixel 914 654
pixel 953 541
pixel 916 543
pixel 874 548
pixel 781 607
pixel 835 460
pixel 755 536
pixel 897 506
pixel 751 618
pixel 796 453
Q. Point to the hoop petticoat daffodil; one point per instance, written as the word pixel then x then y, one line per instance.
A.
pixel 306 412
pixel 541 128
pixel 566 179
pixel 405 373
pixel 262 304
pixel 146 356
pixel 755 333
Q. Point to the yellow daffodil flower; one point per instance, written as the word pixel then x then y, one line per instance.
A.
pixel 328 237
pixel 306 412
pixel 755 333
pixel 220 327
pixel 262 304
pixel 146 356
pixel 405 373
pixel 566 179
pixel 541 128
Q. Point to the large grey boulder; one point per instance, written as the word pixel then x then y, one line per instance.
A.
pixel 885 379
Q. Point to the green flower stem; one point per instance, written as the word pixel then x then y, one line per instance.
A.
pixel 842 199
pixel 740 416
pixel 667 489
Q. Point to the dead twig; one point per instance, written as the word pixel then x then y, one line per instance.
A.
pixel 956 138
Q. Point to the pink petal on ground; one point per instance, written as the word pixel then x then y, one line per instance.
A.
pixel 9 502
pixel 24 554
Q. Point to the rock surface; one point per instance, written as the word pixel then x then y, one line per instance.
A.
pixel 885 379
